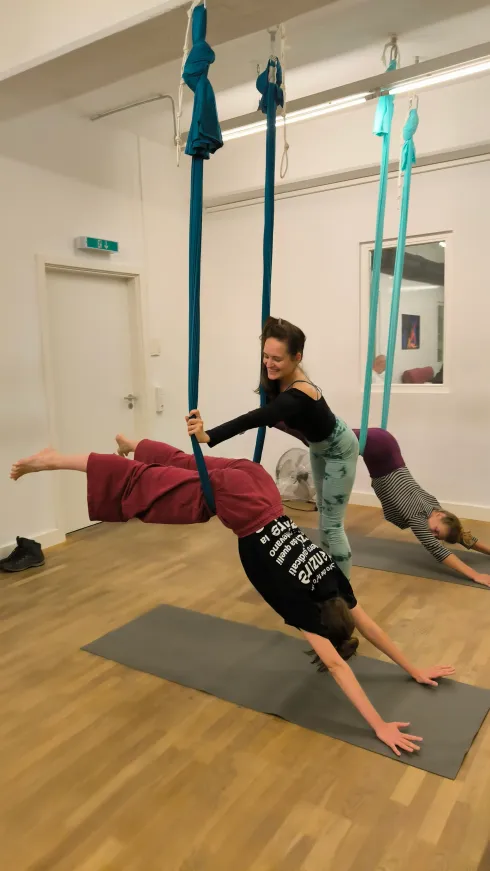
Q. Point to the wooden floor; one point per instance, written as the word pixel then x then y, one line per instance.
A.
pixel 106 769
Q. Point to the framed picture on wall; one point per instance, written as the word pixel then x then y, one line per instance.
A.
pixel 410 332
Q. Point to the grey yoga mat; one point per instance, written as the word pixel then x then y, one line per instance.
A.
pixel 269 672
pixel 407 558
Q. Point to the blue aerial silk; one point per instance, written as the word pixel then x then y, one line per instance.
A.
pixel 269 85
pixel 204 139
pixel 382 128
pixel 408 159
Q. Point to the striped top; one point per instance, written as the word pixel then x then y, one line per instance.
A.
pixel 403 501
pixel 407 506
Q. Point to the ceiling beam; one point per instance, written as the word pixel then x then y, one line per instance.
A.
pixel 376 85
pixel 135 49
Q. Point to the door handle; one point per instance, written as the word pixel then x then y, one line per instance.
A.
pixel 130 399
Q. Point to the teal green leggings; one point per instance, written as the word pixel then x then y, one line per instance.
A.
pixel 333 464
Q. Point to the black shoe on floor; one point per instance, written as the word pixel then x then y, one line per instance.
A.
pixel 27 555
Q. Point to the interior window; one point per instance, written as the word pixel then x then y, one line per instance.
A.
pixel 419 349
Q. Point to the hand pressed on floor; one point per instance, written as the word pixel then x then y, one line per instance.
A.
pixel 390 734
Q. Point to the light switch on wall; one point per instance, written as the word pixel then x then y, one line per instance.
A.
pixel 155 349
pixel 159 400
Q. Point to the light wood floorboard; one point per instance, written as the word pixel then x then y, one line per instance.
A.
pixel 106 769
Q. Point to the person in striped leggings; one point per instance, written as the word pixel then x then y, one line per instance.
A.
pixel 408 506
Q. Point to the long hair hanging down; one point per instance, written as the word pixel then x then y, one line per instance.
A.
pixel 455 534
pixel 339 623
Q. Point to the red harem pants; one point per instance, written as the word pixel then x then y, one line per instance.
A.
pixel 161 485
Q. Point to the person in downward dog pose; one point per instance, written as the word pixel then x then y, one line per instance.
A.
pixel 292 398
pixel 294 576
pixel 408 506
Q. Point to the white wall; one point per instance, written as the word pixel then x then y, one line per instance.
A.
pixel 166 228
pixel 33 31
pixel 444 435
pixel 62 177
pixel 422 302
pixel 316 282
pixel 451 117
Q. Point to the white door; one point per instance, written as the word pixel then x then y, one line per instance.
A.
pixel 91 351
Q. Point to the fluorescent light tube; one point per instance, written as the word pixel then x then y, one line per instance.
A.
pixel 439 78
pixel 299 115
pixel 413 84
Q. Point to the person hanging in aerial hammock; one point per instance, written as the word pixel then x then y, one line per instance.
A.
pixel 294 400
pixel 294 576
pixel 408 506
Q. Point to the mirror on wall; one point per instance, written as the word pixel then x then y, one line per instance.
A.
pixel 419 350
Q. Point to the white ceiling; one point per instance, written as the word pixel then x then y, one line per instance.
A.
pixel 328 45
pixel 137 48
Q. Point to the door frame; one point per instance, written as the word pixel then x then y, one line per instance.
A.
pixel 139 341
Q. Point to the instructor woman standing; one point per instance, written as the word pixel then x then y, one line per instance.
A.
pixel 294 400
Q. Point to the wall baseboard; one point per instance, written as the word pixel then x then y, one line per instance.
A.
pixel 46 539
pixel 461 509
pixel 52 537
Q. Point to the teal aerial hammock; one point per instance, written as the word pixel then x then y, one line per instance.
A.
pixel 269 84
pixel 382 128
pixel 407 160
pixel 204 138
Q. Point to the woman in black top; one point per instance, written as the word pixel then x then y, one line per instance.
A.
pixel 294 400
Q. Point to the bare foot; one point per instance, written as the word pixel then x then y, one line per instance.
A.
pixel 40 462
pixel 125 446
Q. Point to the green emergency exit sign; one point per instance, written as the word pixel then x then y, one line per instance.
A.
pixel 91 243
